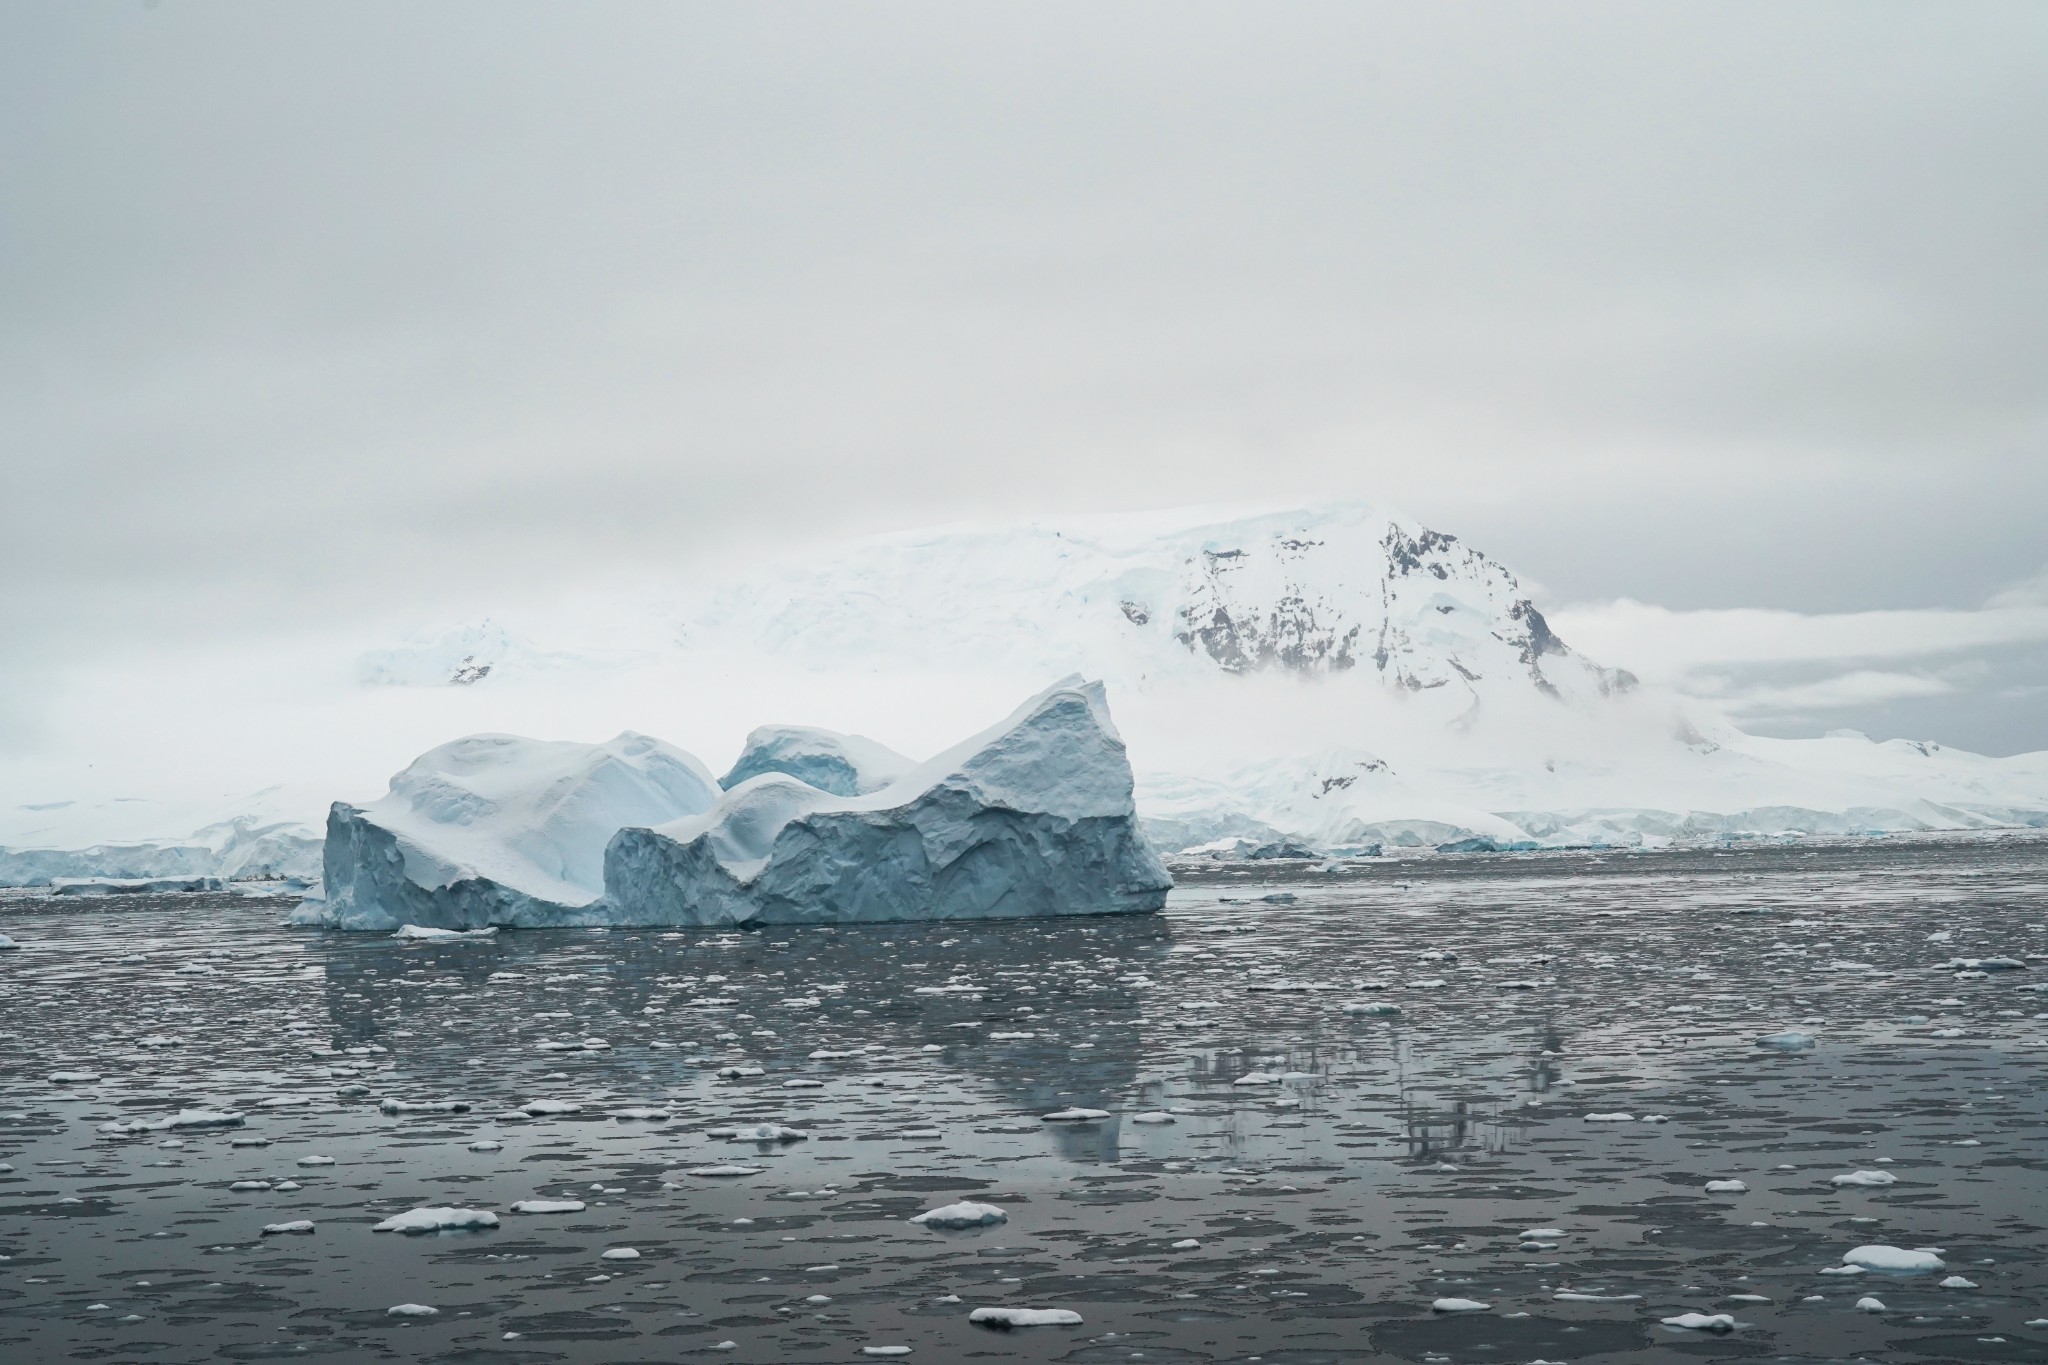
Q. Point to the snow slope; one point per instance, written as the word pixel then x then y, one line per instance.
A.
pixel 1260 662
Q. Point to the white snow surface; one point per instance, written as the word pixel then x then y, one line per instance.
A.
pixel 1334 673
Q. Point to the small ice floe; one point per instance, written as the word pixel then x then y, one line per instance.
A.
pixel 759 1132
pixel 620 1254
pixel 1258 1078
pixel 1006 1318
pixel 425 933
pixel 721 1172
pixel 73 1077
pixel 1790 1040
pixel 1152 1116
pixel 1984 964
pixel 1702 1322
pixel 1377 1007
pixel 1873 1178
pixel 414 1222
pixel 1871 1304
pixel 411 1310
pixel 296 1226
pixel 1186 1244
pixel 1542 1234
pixel 642 1114
pixel 184 1118
pixel 486 1145
pixel 1459 1306
pixel 1611 1118
pixel 801 1084
pixel 548 1206
pixel 395 1106
pixel 1434 983
pixel 1958 1282
pixel 8 945
pixel 965 1214
pixel 248 1186
pixel 535 1109
pixel 1579 1296
pixel 734 1073
pixel 885 1350
pixel 159 1040
pixel 1727 1187
pixel 1893 1260
pixel 1076 1115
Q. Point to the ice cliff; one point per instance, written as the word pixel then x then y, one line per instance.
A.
pixel 844 765
pixel 495 829
pixel 1033 817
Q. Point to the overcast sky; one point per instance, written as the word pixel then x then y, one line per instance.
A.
pixel 1736 310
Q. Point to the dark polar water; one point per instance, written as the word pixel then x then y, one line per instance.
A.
pixel 1336 1172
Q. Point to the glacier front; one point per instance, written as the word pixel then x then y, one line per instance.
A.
pixel 1033 817
pixel 496 829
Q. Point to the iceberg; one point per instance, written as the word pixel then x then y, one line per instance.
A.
pixel 499 830
pixel 844 765
pixel 1033 817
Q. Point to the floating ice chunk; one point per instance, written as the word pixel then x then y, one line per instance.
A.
pixel 885 1350
pixel 1893 1260
pixel 1076 1115
pixel 1702 1322
pixel 1186 1244
pixel 1870 1304
pixel 721 1172
pixel 548 1206
pixel 412 1310
pixel 542 1108
pixel 1791 1040
pixel 965 1214
pixel 1258 1078
pixel 760 1132
pixel 1542 1234
pixel 1727 1187
pixel 429 933
pixel 1459 1306
pixel 620 1254
pixel 299 1225
pixel 1374 1008
pixel 486 1145
pixel 1611 1118
pixel 316 1161
pixel 641 1113
pixel 1865 1178
pixel 1577 1296
pixel 416 1221
pixel 184 1118
pixel 8 945
pixel 73 1077
pixel 1152 1116
pixel 1958 1282
pixel 1031 818
pixel 397 1106
pixel 734 1073
pixel 248 1186
pixel 1005 1318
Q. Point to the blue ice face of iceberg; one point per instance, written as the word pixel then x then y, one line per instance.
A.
pixel 1031 818
pixel 841 765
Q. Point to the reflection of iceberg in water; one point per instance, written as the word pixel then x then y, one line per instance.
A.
pixel 660 998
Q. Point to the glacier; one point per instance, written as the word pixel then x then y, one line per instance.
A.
pixel 1032 817
pixel 499 830
pixel 843 765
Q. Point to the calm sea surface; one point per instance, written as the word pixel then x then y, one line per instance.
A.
pixel 1502 1080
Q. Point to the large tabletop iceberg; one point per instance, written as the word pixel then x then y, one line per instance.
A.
pixel 495 829
pixel 1031 818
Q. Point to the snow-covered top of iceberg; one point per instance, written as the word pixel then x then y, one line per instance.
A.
pixel 533 814
pixel 844 765
pixel 1059 753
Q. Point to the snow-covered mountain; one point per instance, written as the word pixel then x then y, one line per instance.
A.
pixel 1334 674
